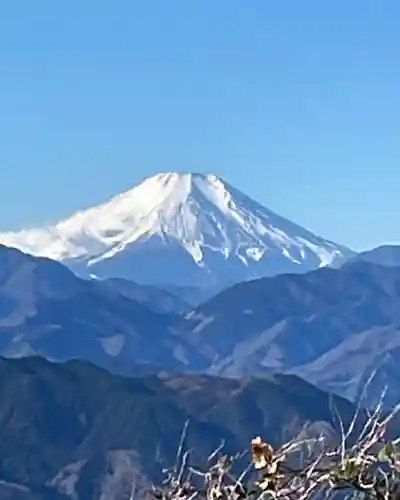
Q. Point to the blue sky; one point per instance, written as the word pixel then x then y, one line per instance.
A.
pixel 296 103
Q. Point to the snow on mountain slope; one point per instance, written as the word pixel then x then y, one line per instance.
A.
pixel 180 228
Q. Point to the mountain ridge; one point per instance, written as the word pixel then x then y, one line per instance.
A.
pixel 330 326
pixel 72 431
pixel 45 309
pixel 385 255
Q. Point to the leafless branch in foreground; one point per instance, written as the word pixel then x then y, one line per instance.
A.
pixel 367 467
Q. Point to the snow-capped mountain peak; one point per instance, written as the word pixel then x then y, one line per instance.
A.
pixel 190 227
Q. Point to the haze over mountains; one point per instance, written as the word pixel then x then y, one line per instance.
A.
pixel 180 229
pixel 47 310
pixel 231 308
pixel 180 233
pixel 332 326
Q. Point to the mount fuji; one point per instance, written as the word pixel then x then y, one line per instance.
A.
pixel 184 229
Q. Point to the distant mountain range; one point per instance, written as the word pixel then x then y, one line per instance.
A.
pixel 180 229
pixel 75 432
pixel 218 309
pixel 46 310
pixel 152 297
pixel 385 255
pixel 333 327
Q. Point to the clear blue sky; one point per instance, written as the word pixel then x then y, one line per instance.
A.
pixel 295 102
